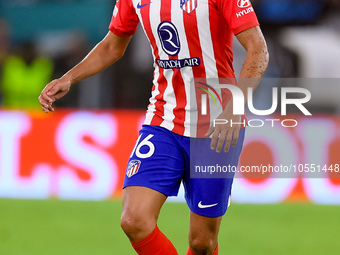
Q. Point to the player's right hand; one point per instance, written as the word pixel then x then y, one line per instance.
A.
pixel 226 134
pixel 53 91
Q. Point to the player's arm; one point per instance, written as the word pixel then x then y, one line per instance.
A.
pixel 256 61
pixel 254 66
pixel 105 53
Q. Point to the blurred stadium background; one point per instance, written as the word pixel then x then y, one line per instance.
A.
pixel 61 174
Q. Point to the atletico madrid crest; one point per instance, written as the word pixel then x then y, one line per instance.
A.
pixel 133 167
pixel 188 5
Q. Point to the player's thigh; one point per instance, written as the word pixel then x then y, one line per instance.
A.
pixel 142 202
pixel 154 171
pixel 141 207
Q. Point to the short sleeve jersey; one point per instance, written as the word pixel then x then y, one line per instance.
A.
pixel 190 39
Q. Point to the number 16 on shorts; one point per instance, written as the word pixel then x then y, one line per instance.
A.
pixel 145 148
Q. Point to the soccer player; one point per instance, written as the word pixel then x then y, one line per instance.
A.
pixel 191 41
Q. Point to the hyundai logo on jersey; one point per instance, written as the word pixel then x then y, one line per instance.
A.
pixel 169 38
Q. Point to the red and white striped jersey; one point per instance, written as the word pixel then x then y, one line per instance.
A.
pixel 190 39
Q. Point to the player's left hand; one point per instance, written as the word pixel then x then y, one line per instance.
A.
pixel 228 132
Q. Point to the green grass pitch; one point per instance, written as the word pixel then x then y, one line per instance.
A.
pixel 52 227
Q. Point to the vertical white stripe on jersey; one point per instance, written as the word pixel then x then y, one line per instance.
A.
pixel 191 116
pixel 154 8
pixel 187 74
pixel 168 96
pixel 152 107
pixel 203 23
pixel 192 2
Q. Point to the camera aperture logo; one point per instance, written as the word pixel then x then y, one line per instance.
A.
pixel 205 99
pixel 239 104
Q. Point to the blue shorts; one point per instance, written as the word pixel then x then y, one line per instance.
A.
pixel 161 160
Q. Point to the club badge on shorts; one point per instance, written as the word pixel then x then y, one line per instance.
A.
pixel 133 168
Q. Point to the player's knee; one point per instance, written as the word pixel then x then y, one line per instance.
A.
pixel 135 226
pixel 130 225
pixel 202 246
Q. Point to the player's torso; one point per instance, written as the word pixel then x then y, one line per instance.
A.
pixel 189 39
pixel 189 35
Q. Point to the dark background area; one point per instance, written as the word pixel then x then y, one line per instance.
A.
pixel 63 32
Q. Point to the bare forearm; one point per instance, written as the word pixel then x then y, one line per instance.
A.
pixel 109 50
pixel 252 71
pixel 255 63
pixel 101 56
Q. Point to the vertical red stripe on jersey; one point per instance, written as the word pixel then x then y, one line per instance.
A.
pixel 165 10
pixel 191 30
pixel 159 105
pixel 220 39
pixel 177 80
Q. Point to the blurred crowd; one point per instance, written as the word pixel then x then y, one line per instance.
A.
pixel 298 32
